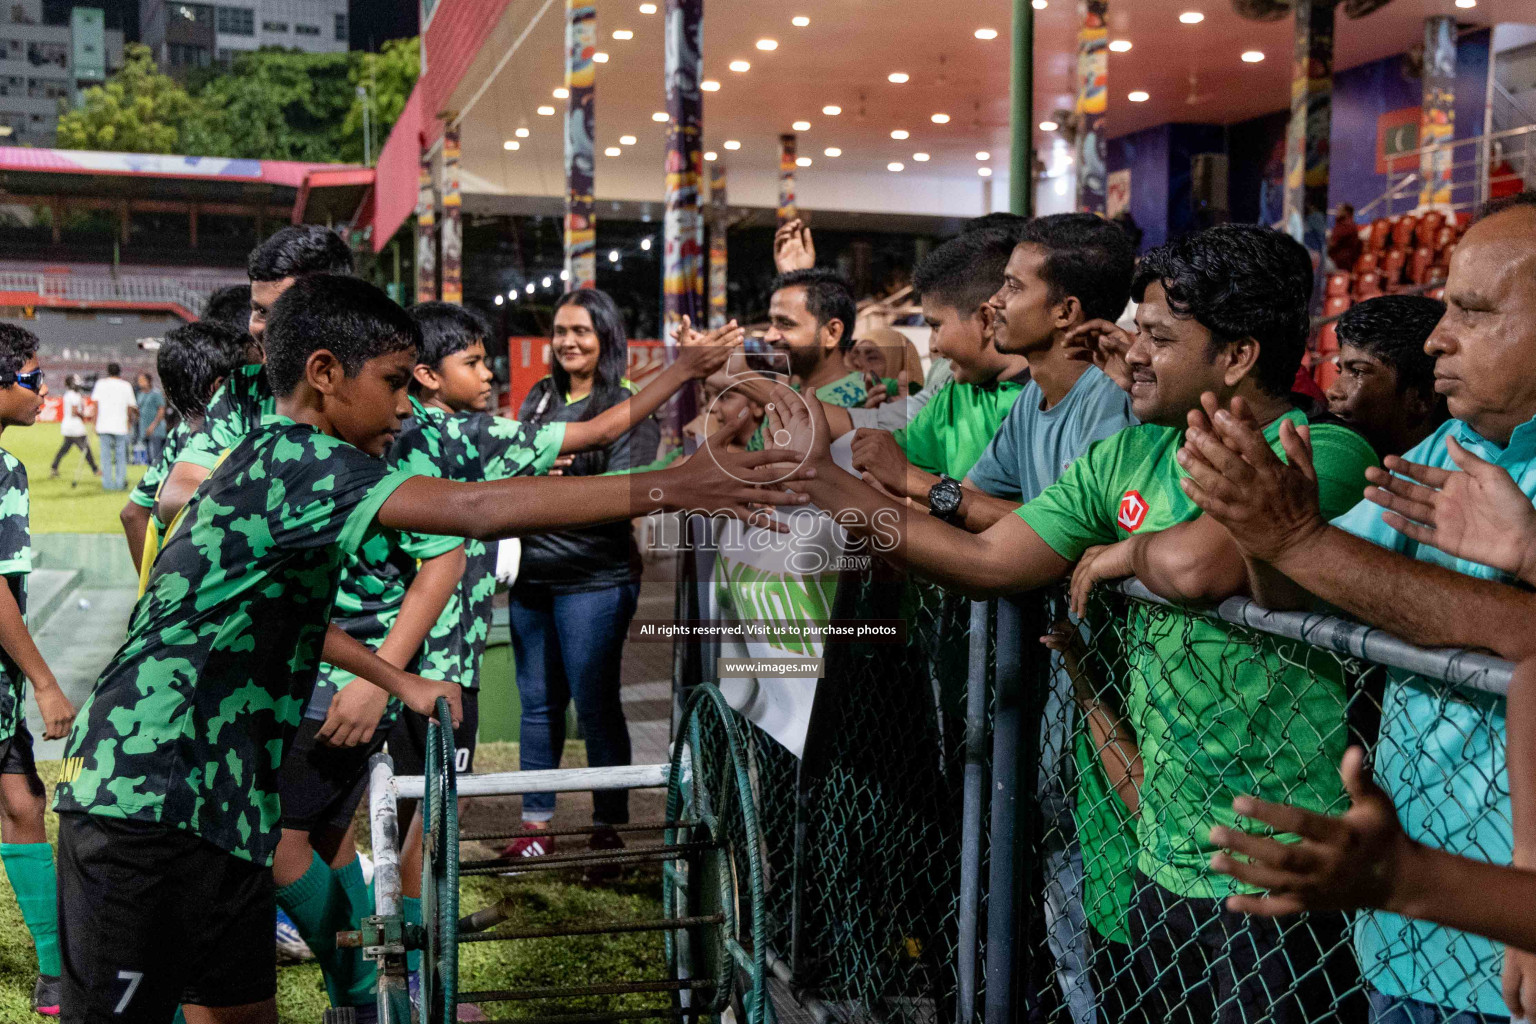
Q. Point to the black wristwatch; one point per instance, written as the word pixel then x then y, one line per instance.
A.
pixel 944 499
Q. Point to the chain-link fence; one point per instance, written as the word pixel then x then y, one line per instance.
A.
pixel 982 828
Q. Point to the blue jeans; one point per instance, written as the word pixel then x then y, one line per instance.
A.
pixel 114 461
pixel 568 646
pixel 1387 1009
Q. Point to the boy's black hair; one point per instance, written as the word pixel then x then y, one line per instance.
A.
pixel 298 251
pixel 192 357
pixel 230 305
pixel 17 345
pixel 1087 257
pixel 346 316
pixel 828 296
pixel 114 370
pixel 1393 328
pixel 1526 198
pixel 1239 281
pixel 965 271
pixel 446 328
pixel 1012 223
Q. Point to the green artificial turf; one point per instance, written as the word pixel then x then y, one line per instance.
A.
pixel 57 506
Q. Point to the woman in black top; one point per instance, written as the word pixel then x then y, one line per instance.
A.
pixel 576 590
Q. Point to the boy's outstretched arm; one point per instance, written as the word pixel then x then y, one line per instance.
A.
pixel 355 711
pixel 180 484
pixel 135 520
pixel 57 711
pixel 418 694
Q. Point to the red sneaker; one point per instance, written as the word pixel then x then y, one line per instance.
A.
pixel 603 840
pixel 45 995
pixel 527 846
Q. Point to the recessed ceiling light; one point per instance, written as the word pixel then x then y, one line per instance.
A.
pixel 613 255
pixel 983 155
pixel 562 93
pixel 767 44
pixel 732 144
pixel 921 158
pixel 985 172
pixel 895 166
pixel 522 133
pixel 1038 5
pixel 627 140
pixel 1191 17
pixel 647 8
pixel 740 65
pixel 799 21
pixel 612 151
pixel 986 33
pixel 600 57
pixel 711 155
pixel 1049 126
pixel 899 77
pixel 546 282
pixel 546 111
pixel 832 110
pixel 645 243
pixel 565 275
pixel 833 152
pixel 659 116
pixel 801 126
pixel 512 294
pixel 529 287
pixel 803 161
pixel 499 299
pixel 511 144
pixel 1139 96
pixel 1120 45
pixel 709 85
pixel 1252 56
pixel 623 33
pixel 940 119
pixel 1466 3
pixel 901 133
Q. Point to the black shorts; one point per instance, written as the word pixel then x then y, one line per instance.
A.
pixel 408 739
pixel 152 916
pixel 321 785
pixel 16 758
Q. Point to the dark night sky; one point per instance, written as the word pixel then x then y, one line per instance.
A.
pixel 372 21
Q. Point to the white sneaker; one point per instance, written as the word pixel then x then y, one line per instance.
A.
pixel 290 945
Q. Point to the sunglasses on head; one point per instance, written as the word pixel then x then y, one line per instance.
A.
pixel 32 380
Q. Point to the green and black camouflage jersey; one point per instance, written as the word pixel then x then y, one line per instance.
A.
pixel 235 410
pixel 368 600
pixel 469 447
pixel 15 564
pixel 845 392
pixel 187 725
pixel 149 485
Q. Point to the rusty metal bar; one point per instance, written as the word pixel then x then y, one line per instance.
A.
pixel 613 928
pixel 531 833
pixel 556 862
pixel 614 988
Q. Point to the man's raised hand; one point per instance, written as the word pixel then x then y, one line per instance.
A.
pixel 793 248
pixel 704 352
pixel 1104 344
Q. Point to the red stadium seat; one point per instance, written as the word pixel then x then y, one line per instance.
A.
pixel 1402 232
pixel 1436 293
pixel 1391 270
pixel 1447 235
pixel 1429 227
pixel 1327 341
pixel 1367 285
pixel 1333 305
pixel 1325 373
pixel 1366 263
pixel 1338 284
pixel 1381 233
pixel 1418 267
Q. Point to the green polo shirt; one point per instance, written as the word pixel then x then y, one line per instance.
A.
pixel 949 434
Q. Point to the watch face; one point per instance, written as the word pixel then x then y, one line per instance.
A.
pixel 944 498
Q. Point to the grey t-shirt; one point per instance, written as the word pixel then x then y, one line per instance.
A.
pixel 1034 446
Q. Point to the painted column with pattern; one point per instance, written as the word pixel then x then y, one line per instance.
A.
pixel 453 228
pixel 1092 106
pixel 1306 141
pixel 426 229
pixel 719 217
pixel 683 225
pixel 1437 119
pixel 580 78
pixel 788 211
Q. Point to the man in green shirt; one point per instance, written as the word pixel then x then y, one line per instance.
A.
pixel 1222 311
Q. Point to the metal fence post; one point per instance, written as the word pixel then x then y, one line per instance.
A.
pixel 975 784
pixel 1002 897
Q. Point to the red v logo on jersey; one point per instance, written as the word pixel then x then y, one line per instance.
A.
pixel 1133 511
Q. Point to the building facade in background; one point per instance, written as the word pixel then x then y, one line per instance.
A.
pixel 197 35
pixel 43 64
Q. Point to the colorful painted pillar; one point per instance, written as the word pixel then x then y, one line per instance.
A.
pixel 788 211
pixel 683 224
pixel 1437 119
pixel 1021 115
pixel 1306 142
pixel 580 78
pixel 719 217
pixel 452 231
pixel 426 229
pixel 1092 106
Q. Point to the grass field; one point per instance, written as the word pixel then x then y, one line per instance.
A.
pixel 541 899
pixel 58 507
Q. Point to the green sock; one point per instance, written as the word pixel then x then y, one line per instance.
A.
pixel 319 910
pixel 362 976
pixel 30 869
pixel 410 909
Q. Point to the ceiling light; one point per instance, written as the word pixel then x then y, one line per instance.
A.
pixel 940 119
pixel 627 140
pixel 1191 17
pixel 511 144
pixel 833 152
pixel 644 9
pixel 895 166
pixel 612 151
pixel 986 33
pixel 983 155
pixel 921 158
pixel 547 282
pixel 801 126
pixel 985 172
pixel 1252 57
pixel 499 299
pixel 562 93
pixel 800 21
pixel 1120 45
pixel 711 156
pixel 659 116
pixel 512 294
pixel 899 77
pixel 732 144
pixel 1038 5
pixel 529 288
pixel 767 44
pixel 565 275
pixel 600 57
pixel 831 110
pixel 623 33
pixel 709 85
pixel 613 255
pixel 645 243
pixel 740 65
pixel 803 161
pixel 1138 96
pixel 901 133
pixel 1049 126
pixel 546 111
pixel 1466 3
pixel 521 133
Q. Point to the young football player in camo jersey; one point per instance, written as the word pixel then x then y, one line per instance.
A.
pixel 168 802
pixel 24 845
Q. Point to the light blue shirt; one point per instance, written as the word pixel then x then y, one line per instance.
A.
pixel 1034 446
pixel 1441 757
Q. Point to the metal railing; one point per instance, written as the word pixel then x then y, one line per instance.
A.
pixel 1476 165
pixel 190 294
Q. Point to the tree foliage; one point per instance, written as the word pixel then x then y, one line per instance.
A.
pixel 139 110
